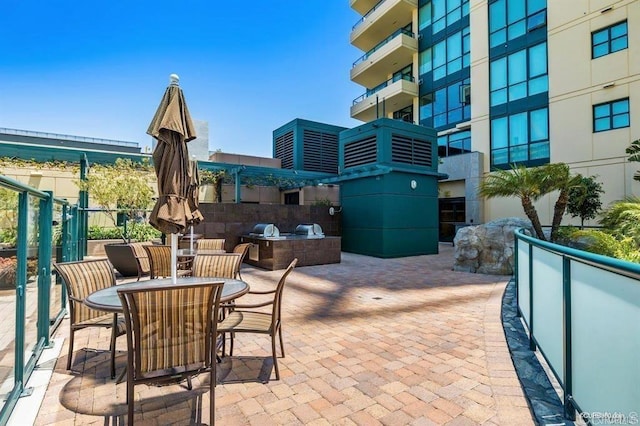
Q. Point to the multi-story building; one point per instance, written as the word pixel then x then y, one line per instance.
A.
pixel 503 82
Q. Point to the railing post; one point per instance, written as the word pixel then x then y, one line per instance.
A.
pixel 44 266
pixel 569 409
pixel 516 271
pixel 83 204
pixel 21 283
pixel 73 230
pixel 532 342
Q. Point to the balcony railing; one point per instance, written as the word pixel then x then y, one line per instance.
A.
pixel 366 15
pixel 581 311
pixel 382 86
pixel 33 303
pixel 382 43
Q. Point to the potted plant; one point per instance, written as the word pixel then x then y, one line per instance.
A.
pixel 123 192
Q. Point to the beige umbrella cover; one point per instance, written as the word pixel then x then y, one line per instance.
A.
pixel 173 128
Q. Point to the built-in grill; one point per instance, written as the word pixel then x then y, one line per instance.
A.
pixel 311 230
pixel 265 230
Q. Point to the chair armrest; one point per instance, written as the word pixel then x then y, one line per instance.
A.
pixel 256 305
pixel 261 292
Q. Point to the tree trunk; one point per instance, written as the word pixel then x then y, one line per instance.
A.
pixel 532 214
pixel 558 212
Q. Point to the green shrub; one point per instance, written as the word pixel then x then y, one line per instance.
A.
pixel 139 232
pixel 595 241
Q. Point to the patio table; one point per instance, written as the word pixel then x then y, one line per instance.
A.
pixel 107 299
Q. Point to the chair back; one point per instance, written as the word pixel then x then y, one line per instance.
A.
pixel 169 327
pixel 277 299
pixel 159 260
pixel 144 265
pixel 243 249
pixel 219 265
pixel 81 278
pixel 211 244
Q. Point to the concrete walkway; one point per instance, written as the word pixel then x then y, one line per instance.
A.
pixel 368 341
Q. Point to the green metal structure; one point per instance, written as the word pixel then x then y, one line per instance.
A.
pixel 389 189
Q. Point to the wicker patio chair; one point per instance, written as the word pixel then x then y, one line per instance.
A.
pixel 244 320
pixel 82 278
pixel 243 249
pixel 219 265
pixel 160 261
pixel 211 244
pixel 170 332
pixel 142 258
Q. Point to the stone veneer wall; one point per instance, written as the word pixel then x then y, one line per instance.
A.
pixel 230 221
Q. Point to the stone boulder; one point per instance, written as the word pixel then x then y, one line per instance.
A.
pixel 488 248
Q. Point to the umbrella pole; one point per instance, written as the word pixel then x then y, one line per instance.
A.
pixel 191 243
pixel 174 258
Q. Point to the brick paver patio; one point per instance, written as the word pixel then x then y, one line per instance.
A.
pixel 368 341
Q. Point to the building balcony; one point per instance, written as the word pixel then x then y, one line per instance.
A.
pixel 363 6
pixel 385 58
pixel 375 24
pixel 392 95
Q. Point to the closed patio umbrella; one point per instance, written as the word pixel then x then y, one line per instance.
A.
pixel 193 197
pixel 173 128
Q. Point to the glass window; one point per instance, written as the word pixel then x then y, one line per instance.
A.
pixel 609 40
pixel 439 14
pixel 450 55
pixel 525 72
pixel 511 19
pixel 424 16
pixel 452 105
pixel 611 115
pixel 520 138
pixel 425 61
pixel 454 144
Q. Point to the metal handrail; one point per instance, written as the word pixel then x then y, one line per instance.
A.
pixel 17 186
pixel 382 86
pixel 382 43
pixel 364 17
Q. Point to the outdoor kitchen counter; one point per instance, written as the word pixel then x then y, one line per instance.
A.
pixel 275 253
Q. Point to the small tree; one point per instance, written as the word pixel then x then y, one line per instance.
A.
pixel 634 155
pixel 584 199
pixel 122 187
pixel 521 182
pixel 529 184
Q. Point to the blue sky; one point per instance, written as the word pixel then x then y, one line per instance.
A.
pixel 99 69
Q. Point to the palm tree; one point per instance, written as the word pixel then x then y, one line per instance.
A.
pixel 558 177
pixel 524 183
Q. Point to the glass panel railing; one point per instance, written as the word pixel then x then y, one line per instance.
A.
pixel 366 15
pixel 8 304
pixel 382 86
pixel 56 304
pixel 31 289
pixel 383 43
pixel 523 280
pixel 547 279
pixel 605 336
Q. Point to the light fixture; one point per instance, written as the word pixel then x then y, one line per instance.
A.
pixel 608 85
pixel 413 184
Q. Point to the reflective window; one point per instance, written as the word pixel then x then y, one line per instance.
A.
pixel 520 138
pixel 609 40
pixel 424 17
pixel 452 104
pixel 521 74
pixel 454 144
pixel 512 19
pixel 439 14
pixel 611 115
pixel 450 55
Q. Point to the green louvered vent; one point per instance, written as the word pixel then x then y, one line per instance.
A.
pixel 284 149
pixel 364 151
pixel 320 152
pixel 411 151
